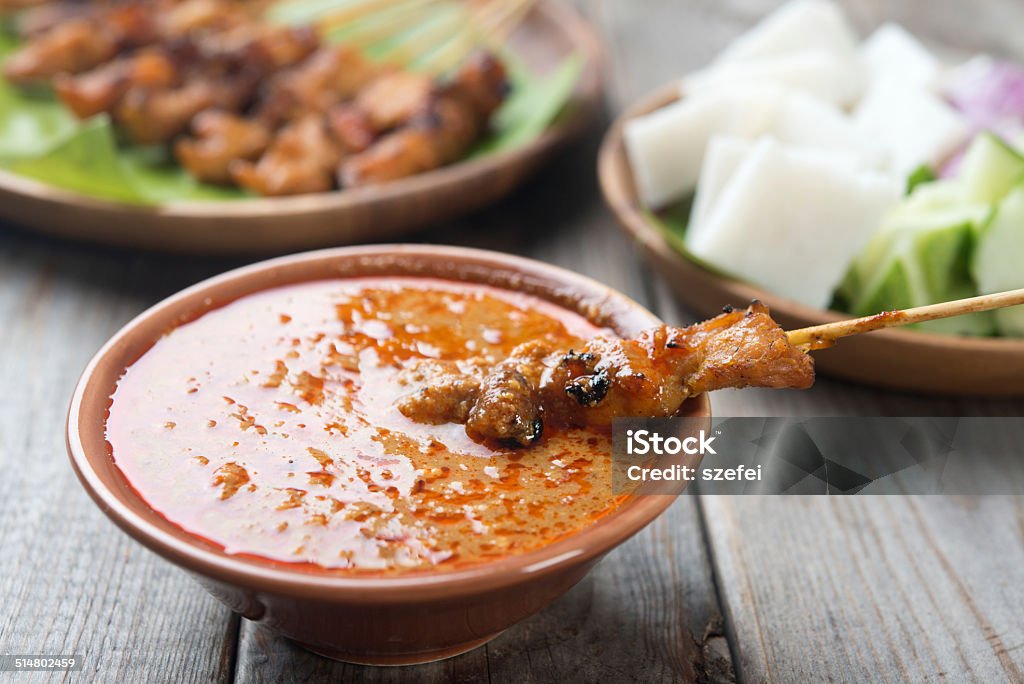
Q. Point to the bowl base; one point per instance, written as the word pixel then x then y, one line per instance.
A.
pixel 399 659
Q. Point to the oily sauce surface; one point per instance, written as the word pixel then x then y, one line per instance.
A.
pixel 268 427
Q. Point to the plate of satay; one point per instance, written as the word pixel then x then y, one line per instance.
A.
pixel 832 177
pixel 228 127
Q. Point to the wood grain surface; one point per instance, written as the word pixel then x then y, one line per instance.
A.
pixel 718 589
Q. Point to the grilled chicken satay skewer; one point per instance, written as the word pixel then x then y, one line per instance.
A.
pixel 822 336
pixel 650 375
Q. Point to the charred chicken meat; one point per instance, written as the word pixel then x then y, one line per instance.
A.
pixel 242 102
pixel 650 375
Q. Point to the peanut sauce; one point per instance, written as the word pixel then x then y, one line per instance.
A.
pixel 268 427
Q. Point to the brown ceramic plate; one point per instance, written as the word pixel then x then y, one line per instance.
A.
pixel 549 34
pixel 894 359
pixel 383 620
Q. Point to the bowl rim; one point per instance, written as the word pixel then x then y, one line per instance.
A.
pixel 577 112
pixel 187 551
pixel 624 203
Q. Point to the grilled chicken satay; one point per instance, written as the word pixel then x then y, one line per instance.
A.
pixel 440 136
pixel 224 142
pixel 43 16
pixel 100 89
pixel 264 48
pixel 183 17
pixel 393 99
pixel 157 65
pixel 351 127
pixel 422 146
pixel 10 5
pixel 150 117
pixel 72 47
pixel 155 93
pixel 359 101
pixel 440 130
pixel 223 78
pixel 301 159
pixel 481 81
pixel 73 38
pixel 82 42
pixel 221 138
pixel 651 375
pixel 433 125
pixel 330 75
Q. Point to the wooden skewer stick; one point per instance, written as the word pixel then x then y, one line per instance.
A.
pixel 489 25
pixel 821 336
pixel 432 35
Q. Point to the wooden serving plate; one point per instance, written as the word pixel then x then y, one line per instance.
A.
pixel 893 359
pixel 550 33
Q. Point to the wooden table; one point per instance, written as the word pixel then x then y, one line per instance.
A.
pixel 756 589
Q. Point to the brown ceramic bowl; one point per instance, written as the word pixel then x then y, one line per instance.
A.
pixel 381 620
pixel 893 359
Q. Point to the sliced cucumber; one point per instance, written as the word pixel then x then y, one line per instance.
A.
pixel 998 263
pixel 937 205
pixel 938 217
pixel 1010 321
pixel 990 169
pixel 943 266
pixel 882 286
pixel 865 271
pixel 942 194
pixel 922 175
pixel 918 260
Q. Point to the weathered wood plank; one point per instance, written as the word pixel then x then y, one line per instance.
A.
pixel 872 588
pixel 69 581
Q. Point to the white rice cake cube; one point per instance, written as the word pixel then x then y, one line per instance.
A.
pixel 891 52
pixel 791 221
pixel 724 155
pixel 914 125
pixel 666 147
pixel 834 77
pixel 809 122
pixel 797 26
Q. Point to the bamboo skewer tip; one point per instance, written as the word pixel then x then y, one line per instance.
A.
pixel 825 335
